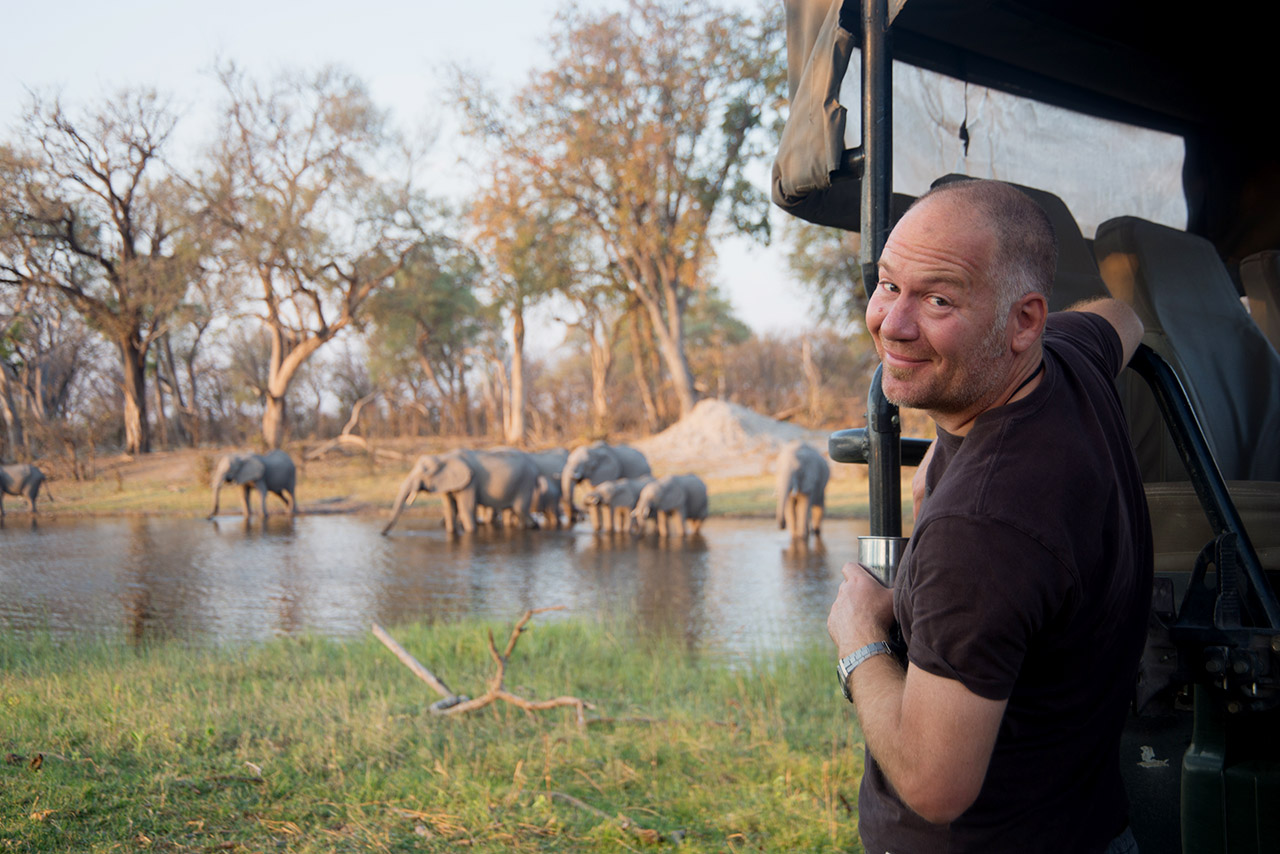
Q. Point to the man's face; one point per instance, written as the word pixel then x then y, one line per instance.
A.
pixel 933 313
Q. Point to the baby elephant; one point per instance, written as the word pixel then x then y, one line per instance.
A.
pixel 802 488
pixel 272 472
pixel 21 479
pixel 613 501
pixel 683 496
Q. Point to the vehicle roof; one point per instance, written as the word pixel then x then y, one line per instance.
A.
pixel 1196 70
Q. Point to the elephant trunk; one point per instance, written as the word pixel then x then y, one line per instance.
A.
pixel 217 490
pixel 401 499
pixel 783 495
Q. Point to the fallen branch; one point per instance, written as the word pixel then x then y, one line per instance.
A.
pixel 413 664
pixel 454 704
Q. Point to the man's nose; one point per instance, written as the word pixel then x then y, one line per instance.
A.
pixel 899 320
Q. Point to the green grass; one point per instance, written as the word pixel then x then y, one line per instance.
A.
pixel 317 746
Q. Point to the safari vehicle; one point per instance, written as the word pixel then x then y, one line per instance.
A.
pixel 1202 748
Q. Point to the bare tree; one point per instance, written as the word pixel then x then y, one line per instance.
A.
pixel 88 211
pixel 642 127
pixel 316 199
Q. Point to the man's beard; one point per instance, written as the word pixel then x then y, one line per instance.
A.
pixel 983 373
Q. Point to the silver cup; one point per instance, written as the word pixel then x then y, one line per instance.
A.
pixel 880 555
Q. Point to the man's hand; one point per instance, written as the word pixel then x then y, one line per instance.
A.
pixel 862 612
pixel 931 736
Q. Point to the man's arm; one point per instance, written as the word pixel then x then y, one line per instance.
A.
pixel 1122 318
pixel 932 737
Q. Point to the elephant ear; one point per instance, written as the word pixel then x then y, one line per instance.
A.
pixel 606 467
pixel 454 475
pixel 249 470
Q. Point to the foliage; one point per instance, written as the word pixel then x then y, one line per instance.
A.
pixel 826 260
pixel 89 213
pixel 642 129
pixel 296 187
pixel 308 745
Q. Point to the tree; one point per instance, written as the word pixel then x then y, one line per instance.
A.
pixel 642 129
pixel 316 199
pixel 826 261
pixel 529 248
pixel 89 212
pixel 431 320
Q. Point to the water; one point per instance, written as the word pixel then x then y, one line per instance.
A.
pixel 741 587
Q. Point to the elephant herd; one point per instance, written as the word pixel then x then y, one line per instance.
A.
pixel 507 484
pixel 512 486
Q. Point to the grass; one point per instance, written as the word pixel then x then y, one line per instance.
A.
pixel 308 745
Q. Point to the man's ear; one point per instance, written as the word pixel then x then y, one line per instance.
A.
pixel 1027 319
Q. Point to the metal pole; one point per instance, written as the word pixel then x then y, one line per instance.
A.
pixel 884 463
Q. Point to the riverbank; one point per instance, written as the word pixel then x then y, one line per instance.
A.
pixel 305 745
pixel 357 481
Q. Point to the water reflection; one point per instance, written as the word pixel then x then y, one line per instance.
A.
pixel 740 586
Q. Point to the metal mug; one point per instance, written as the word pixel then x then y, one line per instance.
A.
pixel 880 555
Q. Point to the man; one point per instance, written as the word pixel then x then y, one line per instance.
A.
pixel 1023 594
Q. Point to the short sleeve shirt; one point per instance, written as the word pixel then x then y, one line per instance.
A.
pixel 1028 579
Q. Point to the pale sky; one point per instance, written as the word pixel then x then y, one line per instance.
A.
pixel 86 50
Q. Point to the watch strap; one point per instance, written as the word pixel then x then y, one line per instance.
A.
pixel 851 661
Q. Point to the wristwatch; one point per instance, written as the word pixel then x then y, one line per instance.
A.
pixel 851 661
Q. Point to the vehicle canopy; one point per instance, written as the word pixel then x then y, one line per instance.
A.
pixel 1202 73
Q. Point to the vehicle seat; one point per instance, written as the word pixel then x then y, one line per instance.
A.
pixel 1260 274
pixel 1195 321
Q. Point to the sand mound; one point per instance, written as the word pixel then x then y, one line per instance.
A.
pixel 722 439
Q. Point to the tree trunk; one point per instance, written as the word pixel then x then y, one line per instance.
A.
pixel 515 403
pixel 601 365
pixel 9 411
pixel 133 362
pixel 286 358
pixel 669 332
pixel 274 420
pixel 642 378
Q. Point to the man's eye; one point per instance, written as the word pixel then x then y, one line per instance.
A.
pixel 940 302
pixel 889 286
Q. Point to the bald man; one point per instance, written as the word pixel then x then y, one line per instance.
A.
pixel 1022 597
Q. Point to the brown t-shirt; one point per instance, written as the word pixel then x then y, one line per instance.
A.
pixel 1028 578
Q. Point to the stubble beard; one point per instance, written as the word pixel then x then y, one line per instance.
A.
pixel 981 375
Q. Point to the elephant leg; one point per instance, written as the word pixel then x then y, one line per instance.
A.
pixel 467 509
pixel 790 512
pixel 446 500
pixel 662 523
pixel 244 500
pixel 680 517
pixel 262 490
pixel 802 516
pixel 696 524
pixel 817 520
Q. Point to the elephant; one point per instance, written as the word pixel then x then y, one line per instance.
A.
pixel 613 501
pixel 683 496
pixel 270 472
pixel 499 480
pixel 22 479
pixel 802 489
pixel 546 500
pixel 597 463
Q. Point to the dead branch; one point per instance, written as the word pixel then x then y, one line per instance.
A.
pixel 413 664
pixel 454 704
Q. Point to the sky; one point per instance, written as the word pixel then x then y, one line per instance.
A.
pixel 88 50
